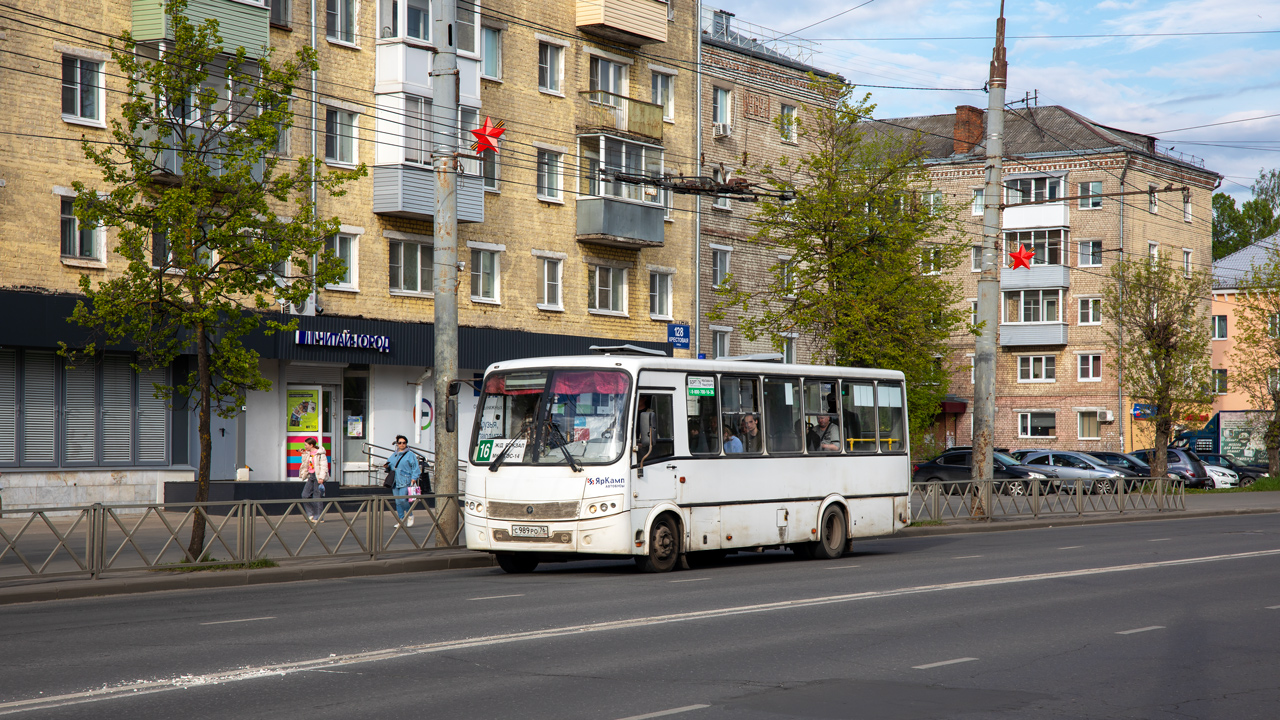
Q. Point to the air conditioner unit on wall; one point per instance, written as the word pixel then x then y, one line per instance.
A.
pixel 306 308
pixel 1105 416
pixel 721 129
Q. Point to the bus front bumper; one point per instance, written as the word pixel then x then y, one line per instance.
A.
pixel 610 535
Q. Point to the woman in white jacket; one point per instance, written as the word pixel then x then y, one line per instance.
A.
pixel 315 470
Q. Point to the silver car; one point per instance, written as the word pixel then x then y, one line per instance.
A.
pixel 1071 466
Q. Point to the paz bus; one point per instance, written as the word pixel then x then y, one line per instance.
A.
pixel 660 458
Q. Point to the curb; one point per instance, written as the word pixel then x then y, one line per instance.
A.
pixel 64 590
pixel 1067 521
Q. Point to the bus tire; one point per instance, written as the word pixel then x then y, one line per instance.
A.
pixel 832 535
pixel 664 546
pixel 517 563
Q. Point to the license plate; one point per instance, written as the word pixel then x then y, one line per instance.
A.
pixel 536 531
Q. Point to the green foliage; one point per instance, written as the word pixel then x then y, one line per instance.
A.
pixel 1236 228
pixel 866 282
pixel 1159 337
pixel 1255 354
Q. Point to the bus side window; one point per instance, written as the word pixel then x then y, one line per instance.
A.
pixel 821 417
pixel 740 415
pixel 859 413
pixel 892 437
pixel 704 416
pixel 664 442
pixel 783 431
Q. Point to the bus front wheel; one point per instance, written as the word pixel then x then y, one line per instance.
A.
pixel 517 563
pixel 831 535
pixel 664 546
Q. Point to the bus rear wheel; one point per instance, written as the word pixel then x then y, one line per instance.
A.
pixel 664 547
pixel 517 563
pixel 831 535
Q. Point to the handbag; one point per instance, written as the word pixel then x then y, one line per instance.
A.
pixel 413 490
pixel 389 481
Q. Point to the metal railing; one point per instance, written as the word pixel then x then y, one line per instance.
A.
pixel 602 109
pixel 989 499
pixel 100 539
pixel 376 460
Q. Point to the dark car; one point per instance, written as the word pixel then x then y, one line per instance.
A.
pixel 1247 473
pixel 1183 463
pixel 954 466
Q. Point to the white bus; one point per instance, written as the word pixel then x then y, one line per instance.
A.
pixel 657 457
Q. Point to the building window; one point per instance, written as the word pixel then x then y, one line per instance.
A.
pixel 1219 327
pixel 339 136
pixel 549 175
pixel 342 247
pixel 549 63
pixel 340 20
pixel 660 295
pixel 484 275
pixel 619 156
pixel 1037 425
pixel 1219 377
pixel 549 280
pixel 411 267
pixel 1089 428
pixel 1090 368
pixel 789 350
pixel 720 177
pixel 1032 306
pixel 81 80
pixel 607 289
pixel 78 239
pixel 609 80
pixel 417 130
pixel 279 12
pixel 466 21
pixel 719 266
pixel 719 343
pixel 931 259
pixel 978 202
pixel 973 312
pixel 1032 190
pixel 1153 201
pixel 722 107
pixel 1090 253
pixel 788 123
pixel 664 95
pixel 1186 208
pixel 1090 311
pixel 1090 195
pixel 417 19
pixel 491 59
pixel 1186 263
pixel 1046 244
pixel 1153 250
pixel 1037 368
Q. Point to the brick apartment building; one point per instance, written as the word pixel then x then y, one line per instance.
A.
pixel 1056 382
pixel 1231 290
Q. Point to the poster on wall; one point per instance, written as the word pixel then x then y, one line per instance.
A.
pixel 302 421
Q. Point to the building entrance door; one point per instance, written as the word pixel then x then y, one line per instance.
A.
pixel 309 412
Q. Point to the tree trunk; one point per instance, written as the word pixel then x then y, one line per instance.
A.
pixel 1272 439
pixel 196 547
pixel 1160 451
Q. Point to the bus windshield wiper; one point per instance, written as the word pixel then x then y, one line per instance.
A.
pixel 564 447
pixel 497 462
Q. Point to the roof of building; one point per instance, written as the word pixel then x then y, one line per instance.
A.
pixel 1232 272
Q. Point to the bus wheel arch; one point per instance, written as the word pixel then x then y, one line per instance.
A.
pixel 665 532
pixel 832 531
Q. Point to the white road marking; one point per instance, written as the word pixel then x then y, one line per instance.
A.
pixel 226 622
pixel 664 713
pixel 144 687
pixel 690 580
pixel 1143 629
pixel 966 557
pixel 944 662
pixel 497 597
pixel 842 567
pixel 1159 539
pixel 1071 547
pixel 1273 607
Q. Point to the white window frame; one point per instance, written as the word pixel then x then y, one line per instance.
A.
pixel 464 19
pixel 396 12
pixel 617 280
pixel 354 124
pixel 550 176
pixel 1216 375
pixel 720 271
pixel 1080 416
pixel 975 259
pixel 1090 195
pixel 593 156
pixel 417 129
pixel 1086 258
pixel 480 251
pixel 345 23
pixel 722 105
pixel 550 272
pixel 720 176
pixel 488 36
pixel 1186 262
pixel 97 235
pixel 1043 243
pixel 1153 199
pixel 1024 425
pixel 1153 250
pixel 1217 326
pixel 99 87
pixel 931 259
pixel 1004 306
pixel 720 341
pixel 789 114
pixel 554 66
pixel 790 353
pixel 1045 187
pixel 352 281
pixel 1085 369
pixel 1046 369
pixel 426 287
pixel 1187 214
pixel 978 201
pixel 663 294
pixel 1090 306
pixel 614 81
pixel 663 92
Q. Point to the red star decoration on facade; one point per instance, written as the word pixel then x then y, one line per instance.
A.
pixel 486 136
pixel 1022 258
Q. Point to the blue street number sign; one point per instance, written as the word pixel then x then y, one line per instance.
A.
pixel 678 335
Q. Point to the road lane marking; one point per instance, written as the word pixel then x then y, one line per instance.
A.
pixel 1142 629
pixel 664 713
pixel 966 557
pixel 944 662
pixel 227 622
pixel 1071 547
pixel 1273 607
pixel 689 580
pixel 842 567
pixel 1159 539
pixel 182 682
pixel 496 597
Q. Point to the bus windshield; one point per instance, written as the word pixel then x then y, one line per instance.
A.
pixel 542 414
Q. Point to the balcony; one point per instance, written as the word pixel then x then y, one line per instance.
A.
pixel 1029 334
pixel 409 191
pixel 631 22
pixel 241 23
pixel 169 160
pixel 1036 277
pixel 600 110
pixel 1047 215
pixel 619 223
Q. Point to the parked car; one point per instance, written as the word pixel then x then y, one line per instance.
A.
pixel 1221 477
pixel 1248 473
pixel 1125 461
pixel 954 466
pixel 1183 463
pixel 1070 466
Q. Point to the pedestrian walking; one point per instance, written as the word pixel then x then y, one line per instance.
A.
pixel 404 466
pixel 315 470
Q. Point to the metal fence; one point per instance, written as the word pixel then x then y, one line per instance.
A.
pixel 987 499
pixel 100 539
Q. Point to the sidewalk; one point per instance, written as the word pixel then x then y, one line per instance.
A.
pixel 1198 506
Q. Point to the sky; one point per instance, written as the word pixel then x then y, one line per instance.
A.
pixel 1155 82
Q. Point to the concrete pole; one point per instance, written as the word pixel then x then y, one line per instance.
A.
pixel 445 123
pixel 984 360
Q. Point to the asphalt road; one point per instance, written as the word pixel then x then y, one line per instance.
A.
pixel 1170 619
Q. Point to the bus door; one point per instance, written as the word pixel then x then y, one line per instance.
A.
pixel 654 470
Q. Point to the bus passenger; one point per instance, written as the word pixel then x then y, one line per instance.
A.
pixel 749 433
pixel 828 435
pixel 732 445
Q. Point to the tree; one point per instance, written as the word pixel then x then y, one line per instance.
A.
pixel 1236 228
pixel 1159 338
pixel 1255 356
pixel 864 285
pixel 214 226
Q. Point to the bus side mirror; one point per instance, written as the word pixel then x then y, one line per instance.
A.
pixel 451 415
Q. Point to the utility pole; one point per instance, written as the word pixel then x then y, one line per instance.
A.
pixel 445 121
pixel 984 351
